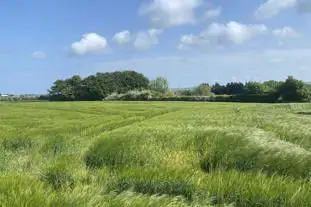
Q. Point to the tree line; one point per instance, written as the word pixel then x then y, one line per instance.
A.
pixel 97 87
pixel 101 85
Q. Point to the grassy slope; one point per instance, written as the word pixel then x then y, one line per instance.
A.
pixel 123 154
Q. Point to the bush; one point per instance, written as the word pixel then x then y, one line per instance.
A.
pixel 255 98
pixel 131 96
pixel 153 96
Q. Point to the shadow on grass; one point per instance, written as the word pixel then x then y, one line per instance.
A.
pixel 304 113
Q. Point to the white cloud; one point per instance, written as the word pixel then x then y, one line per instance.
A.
pixel 187 41
pixel 167 13
pixel 211 13
pixel 273 7
pixel 233 32
pixel 91 43
pixel 146 39
pixel 285 32
pixel 38 55
pixel 122 37
pixel 221 34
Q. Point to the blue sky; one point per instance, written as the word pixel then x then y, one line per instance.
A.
pixel 186 41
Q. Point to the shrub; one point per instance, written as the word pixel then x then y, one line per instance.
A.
pixel 113 97
pixel 131 96
pixel 152 96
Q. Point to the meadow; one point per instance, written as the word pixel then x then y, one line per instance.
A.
pixel 155 154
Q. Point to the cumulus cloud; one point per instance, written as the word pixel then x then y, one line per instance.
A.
pixel 211 13
pixel 168 13
pixel 122 37
pixel 221 34
pixel 38 55
pixel 285 32
pixel 188 41
pixel 273 7
pixel 91 43
pixel 146 39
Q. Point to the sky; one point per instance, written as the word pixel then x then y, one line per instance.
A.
pixel 187 41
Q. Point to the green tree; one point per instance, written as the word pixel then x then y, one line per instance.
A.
pixel 186 92
pixel 254 87
pixel 97 87
pixel 272 86
pixel 90 89
pixel 202 90
pixel 58 91
pixel 219 89
pixel 293 90
pixel 234 88
pixel 160 84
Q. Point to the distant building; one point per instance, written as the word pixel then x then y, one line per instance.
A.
pixel 4 95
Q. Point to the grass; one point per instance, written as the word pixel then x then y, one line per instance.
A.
pixel 155 154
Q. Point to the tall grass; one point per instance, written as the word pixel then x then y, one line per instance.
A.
pixel 155 154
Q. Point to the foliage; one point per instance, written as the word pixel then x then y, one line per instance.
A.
pixel 24 98
pixel 254 88
pixel 97 87
pixel 185 92
pixel 234 88
pixel 202 90
pixel 132 86
pixel 219 89
pixel 160 84
pixel 150 96
pixel 293 90
pixel 272 86
pixel 131 96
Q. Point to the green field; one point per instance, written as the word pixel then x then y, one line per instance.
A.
pixel 155 154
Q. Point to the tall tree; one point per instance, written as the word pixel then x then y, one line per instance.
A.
pixel 293 90
pixel 160 84
pixel 202 90
pixel 219 89
pixel 97 87
pixel 234 88
pixel 272 86
pixel 254 88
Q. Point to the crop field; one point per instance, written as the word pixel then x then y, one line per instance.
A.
pixel 155 154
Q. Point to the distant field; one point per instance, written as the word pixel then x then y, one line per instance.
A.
pixel 155 154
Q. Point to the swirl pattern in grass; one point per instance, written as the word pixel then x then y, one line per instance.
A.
pixel 155 154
